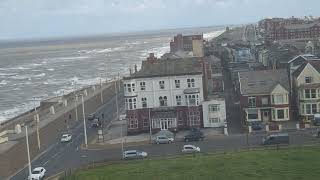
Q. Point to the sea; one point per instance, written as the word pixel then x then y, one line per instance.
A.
pixel 34 70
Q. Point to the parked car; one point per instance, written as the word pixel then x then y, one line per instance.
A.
pixel 96 123
pixel 190 149
pixel 66 138
pixel 276 139
pixel 37 173
pixel 316 119
pixel 194 136
pixel 134 154
pixel 91 117
pixel 164 140
pixel 256 126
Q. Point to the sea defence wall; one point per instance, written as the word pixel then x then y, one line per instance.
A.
pixel 51 126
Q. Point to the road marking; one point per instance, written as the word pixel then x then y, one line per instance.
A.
pixel 46 162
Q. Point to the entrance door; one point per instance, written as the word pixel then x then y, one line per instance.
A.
pixel 164 125
pixel 265 116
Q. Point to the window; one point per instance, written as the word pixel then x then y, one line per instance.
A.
pixel 313 93
pixel 308 108
pixel 251 101
pixel 214 107
pixel 307 93
pixel 264 101
pixel 214 120
pixel 133 124
pixel 314 108
pixel 130 103
pixel 190 83
pixel 252 114
pixel 180 118
pixel 142 86
pixel 163 101
pixel 308 79
pixel 161 84
pixel 178 100
pixel 129 87
pixel 193 100
pixel 280 114
pixel 194 118
pixel 144 102
pixel 146 123
pixel 177 83
pixel 133 87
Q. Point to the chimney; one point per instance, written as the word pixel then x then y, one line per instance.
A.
pixel 152 59
pixel 135 68
pixel 130 70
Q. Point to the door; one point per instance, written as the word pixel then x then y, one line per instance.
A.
pixel 164 125
pixel 265 116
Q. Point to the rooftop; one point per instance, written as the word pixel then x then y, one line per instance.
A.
pixel 262 82
pixel 169 67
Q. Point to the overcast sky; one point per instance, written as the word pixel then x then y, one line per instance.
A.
pixel 50 18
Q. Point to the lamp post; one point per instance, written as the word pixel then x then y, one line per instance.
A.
pixel 84 122
pixel 75 100
pixel 28 152
pixel 101 89
pixel 37 119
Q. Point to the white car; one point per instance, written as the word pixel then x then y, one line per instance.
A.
pixel 190 149
pixel 134 154
pixel 66 138
pixel 37 173
pixel 163 140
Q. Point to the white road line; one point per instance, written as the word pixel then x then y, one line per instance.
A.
pixel 46 162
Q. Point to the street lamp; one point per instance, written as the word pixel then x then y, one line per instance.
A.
pixel 28 152
pixel 37 119
pixel 75 100
pixel 84 122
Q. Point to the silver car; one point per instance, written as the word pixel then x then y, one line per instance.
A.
pixel 163 140
pixel 190 149
pixel 134 154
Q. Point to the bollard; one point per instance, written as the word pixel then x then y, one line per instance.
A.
pixel 52 110
pixel 85 92
pixel 298 126
pixel 17 129
pixel 267 127
pixel 65 103
pixel 280 127
pixel 250 129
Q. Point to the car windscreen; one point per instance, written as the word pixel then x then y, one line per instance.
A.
pixel 35 172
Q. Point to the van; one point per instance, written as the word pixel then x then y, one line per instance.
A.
pixel 316 119
pixel 276 139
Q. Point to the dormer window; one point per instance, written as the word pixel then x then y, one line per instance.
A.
pixel 308 79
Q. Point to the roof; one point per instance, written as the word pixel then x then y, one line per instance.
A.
pixel 262 82
pixel 313 62
pixel 170 67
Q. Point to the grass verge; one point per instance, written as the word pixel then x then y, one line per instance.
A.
pixel 284 164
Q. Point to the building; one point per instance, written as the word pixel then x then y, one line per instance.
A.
pixel 189 43
pixel 165 93
pixel 306 88
pixel 296 31
pixel 264 95
pixel 213 107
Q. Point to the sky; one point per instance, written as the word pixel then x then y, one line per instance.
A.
pixel 25 19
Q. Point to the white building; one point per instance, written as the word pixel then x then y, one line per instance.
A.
pixel 167 93
pixel 214 112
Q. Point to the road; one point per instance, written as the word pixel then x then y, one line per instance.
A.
pixel 60 156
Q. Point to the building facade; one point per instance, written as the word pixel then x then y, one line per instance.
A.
pixel 214 112
pixel 264 95
pixel 165 94
pixel 306 84
pixel 189 43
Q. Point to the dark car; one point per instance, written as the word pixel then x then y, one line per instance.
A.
pixel 91 117
pixel 96 123
pixel 276 139
pixel 256 126
pixel 194 136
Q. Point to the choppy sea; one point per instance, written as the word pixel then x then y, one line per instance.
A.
pixel 31 71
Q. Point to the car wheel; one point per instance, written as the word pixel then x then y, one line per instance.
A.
pixel 157 142
pixel 169 142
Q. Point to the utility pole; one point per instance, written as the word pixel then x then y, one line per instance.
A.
pixel 28 152
pixel 116 91
pixel 75 101
pixel 84 123
pixel 150 128
pixel 101 90
pixel 37 119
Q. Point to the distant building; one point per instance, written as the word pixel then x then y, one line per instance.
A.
pixel 189 43
pixel 214 112
pixel 264 95
pixel 165 93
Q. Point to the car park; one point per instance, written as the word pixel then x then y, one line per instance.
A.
pixel 134 154
pixel 66 138
pixel 275 139
pixel 190 149
pixel 37 173
pixel 164 140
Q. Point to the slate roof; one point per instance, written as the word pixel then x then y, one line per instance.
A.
pixel 262 82
pixel 313 62
pixel 170 67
